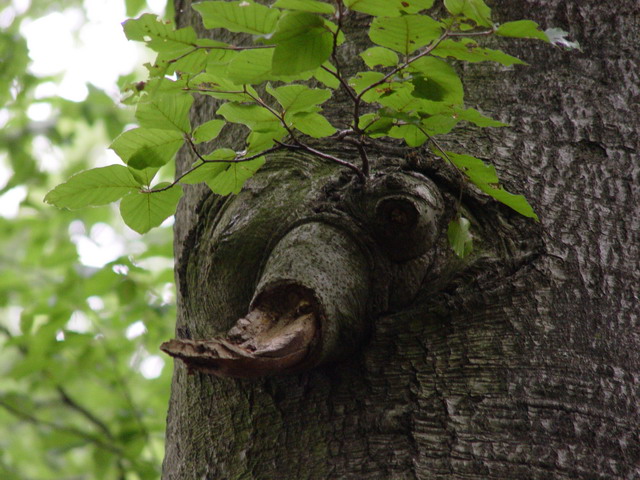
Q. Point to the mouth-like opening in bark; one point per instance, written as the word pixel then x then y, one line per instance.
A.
pixel 280 334
pixel 284 320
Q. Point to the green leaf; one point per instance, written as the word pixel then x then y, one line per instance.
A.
pixel 517 202
pixel 522 29
pixel 166 112
pixel 299 98
pixel 486 179
pixel 218 58
pixel 313 124
pixel 477 171
pixel 144 176
pixel 242 16
pixel 415 6
pixel 221 154
pixel 312 6
pixel 439 124
pixel 255 117
pixel 409 133
pixel 374 125
pixel 400 98
pixel 375 56
pixel 404 34
pixel 474 116
pixel 233 178
pixel 206 171
pixel 388 8
pixel 160 36
pixel 97 186
pixel 256 66
pixel 142 211
pixel 469 50
pixel 208 130
pixel 251 67
pixel 220 87
pixel 364 80
pixel 134 6
pixel 438 81
pixel 327 78
pixel 259 141
pixel 409 117
pixel 475 10
pixel 162 86
pixel 147 147
pixel 193 62
pixel 460 237
pixel 303 43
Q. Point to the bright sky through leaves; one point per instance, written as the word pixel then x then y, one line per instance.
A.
pixel 76 48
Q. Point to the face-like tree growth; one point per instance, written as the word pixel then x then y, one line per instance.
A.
pixel 481 350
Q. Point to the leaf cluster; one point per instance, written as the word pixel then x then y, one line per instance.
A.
pixel 408 91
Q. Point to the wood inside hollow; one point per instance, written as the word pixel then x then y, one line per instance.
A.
pixel 277 336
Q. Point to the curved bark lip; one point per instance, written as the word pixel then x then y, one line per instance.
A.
pixel 279 335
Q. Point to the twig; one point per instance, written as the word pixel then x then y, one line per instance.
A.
pixel 279 116
pixel 205 161
pixel 45 423
pixel 408 62
pixel 342 81
pixel 219 47
pixel 71 403
pixel 298 145
pixel 212 90
pixel 326 156
pixel 238 47
pixel 336 62
pixel 483 33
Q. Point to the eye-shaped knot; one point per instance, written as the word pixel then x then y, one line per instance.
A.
pixel 397 212
pixel 403 213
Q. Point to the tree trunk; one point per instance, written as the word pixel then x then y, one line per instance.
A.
pixel 524 364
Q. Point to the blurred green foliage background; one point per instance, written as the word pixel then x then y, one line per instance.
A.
pixel 84 302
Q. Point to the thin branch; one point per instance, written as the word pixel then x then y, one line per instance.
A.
pixel 184 55
pixel 6 331
pixel 213 90
pixel 239 47
pixel 334 55
pixel 342 81
pixel 219 47
pixel 205 161
pixel 73 431
pixel 408 62
pixel 67 400
pixel 279 116
pixel 71 403
pixel 126 393
pixel 193 147
pixel 326 156
pixel 364 173
pixel 483 33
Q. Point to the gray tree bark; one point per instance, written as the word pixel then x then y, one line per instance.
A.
pixel 522 364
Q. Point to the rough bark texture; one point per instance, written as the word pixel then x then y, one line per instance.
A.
pixel 525 366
